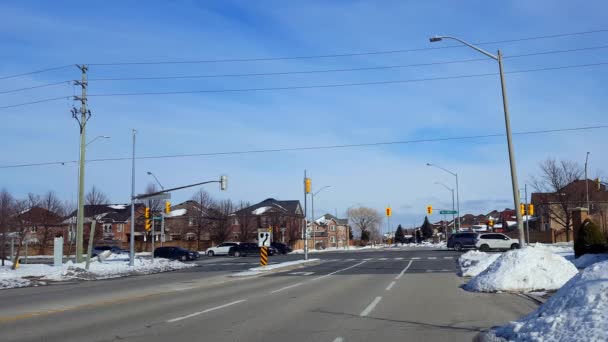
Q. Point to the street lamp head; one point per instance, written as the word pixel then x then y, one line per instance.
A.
pixel 149 173
pixel 435 39
pixel 105 136
pixel 429 164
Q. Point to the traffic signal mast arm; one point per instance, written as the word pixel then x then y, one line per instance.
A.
pixel 144 196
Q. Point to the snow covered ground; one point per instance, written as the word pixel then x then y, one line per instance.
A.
pixel 269 268
pixel 524 270
pixel 112 267
pixel 474 262
pixel 577 312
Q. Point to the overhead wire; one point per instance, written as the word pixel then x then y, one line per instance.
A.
pixel 308 148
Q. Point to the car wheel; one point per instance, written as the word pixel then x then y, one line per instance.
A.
pixel 515 246
pixel 458 246
pixel 237 254
pixel 484 248
pixel 183 258
pixel 210 253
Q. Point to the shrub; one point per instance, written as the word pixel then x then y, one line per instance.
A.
pixel 589 239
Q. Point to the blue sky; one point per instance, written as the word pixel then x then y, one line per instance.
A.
pixel 37 34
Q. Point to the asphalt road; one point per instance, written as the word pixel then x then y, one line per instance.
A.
pixel 392 295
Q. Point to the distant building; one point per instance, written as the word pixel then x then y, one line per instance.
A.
pixel 329 231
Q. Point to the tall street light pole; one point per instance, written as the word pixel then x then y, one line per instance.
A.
pixel 457 191
pixel 312 204
pixel 132 236
pixel 587 181
pixel 514 183
pixel 162 218
pixel 453 209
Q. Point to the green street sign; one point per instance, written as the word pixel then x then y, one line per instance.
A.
pixel 448 212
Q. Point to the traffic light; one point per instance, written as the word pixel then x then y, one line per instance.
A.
pixel 148 224
pixel 522 209
pixel 530 209
pixel 307 185
pixel 491 223
pixel 389 211
pixel 223 183
pixel 429 209
pixel 167 207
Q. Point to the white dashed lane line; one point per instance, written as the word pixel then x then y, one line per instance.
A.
pixel 205 311
pixel 404 270
pixel 390 286
pixel 370 307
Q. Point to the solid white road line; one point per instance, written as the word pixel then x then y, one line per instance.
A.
pixel 405 269
pixel 332 273
pixel 383 259
pixel 286 287
pixel 350 260
pixel 448 257
pixel 398 258
pixel 338 339
pixel 432 258
pixel 368 259
pixel 370 307
pixel 416 258
pixel 390 286
pixel 205 311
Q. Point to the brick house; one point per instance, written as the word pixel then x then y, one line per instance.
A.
pixel 39 226
pixel 329 231
pixel 286 218
pixel 553 209
pixel 187 224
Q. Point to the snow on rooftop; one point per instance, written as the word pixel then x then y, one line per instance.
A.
pixel 261 210
pixel 177 212
pixel 118 206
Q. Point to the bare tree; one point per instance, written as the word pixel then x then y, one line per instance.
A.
pixel 49 218
pixel 365 219
pixel 200 215
pixel 7 212
pixel 246 221
pixel 25 222
pixel 96 197
pixel 556 199
pixel 155 205
pixel 220 213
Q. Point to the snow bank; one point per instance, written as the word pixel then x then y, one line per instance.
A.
pixel 577 312
pixel 474 262
pixel 524 270
pixel 38 274
pixel 268 268
pixel 587 260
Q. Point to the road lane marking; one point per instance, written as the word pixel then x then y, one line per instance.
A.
pixel 390 286
pixel 368 259
pixel 383 259
pixel 338 339
pixel 302 273
pixel 286 287
pixel 205 311
pixel 416 258
pixel 429 271
pixel 332 273
pixel 351 259
pixel 370 307
pixel 432 258
pixel 448 257
pixel 403 271
pixel 398 258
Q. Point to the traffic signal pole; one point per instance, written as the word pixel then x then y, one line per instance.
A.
pixel 132 236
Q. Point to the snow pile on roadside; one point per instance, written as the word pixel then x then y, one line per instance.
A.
pixel 563 249
pixel 587 260
pixel 37 274
pixel 425 244
pixel 524 270
pixel 577 312
pixel 268 268
pixel 474 262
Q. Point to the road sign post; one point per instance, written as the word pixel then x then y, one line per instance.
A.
pixel 264 240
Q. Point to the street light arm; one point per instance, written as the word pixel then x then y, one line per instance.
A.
pixel 435 39
pixel 97 137
pixel 441 168
pixel 157 181
pixel 445 186
pixel 325 187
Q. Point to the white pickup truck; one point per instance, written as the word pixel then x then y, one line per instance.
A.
pixel 221 249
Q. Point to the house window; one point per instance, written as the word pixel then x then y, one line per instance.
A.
pixel 190 221
pixel 333 239
pixel 121 227
pixel 332 228
pixel 107 228
pixel 34 229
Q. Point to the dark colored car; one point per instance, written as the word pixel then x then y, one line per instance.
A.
pixel 281 248
pixel 113 249
pixel 460 241
pixel 175 253
pixel 248 248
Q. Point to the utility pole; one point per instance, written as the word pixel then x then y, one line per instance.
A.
pixel 82 120
pixel 527 212
pixel 305 220
pixel 587 182
pixel 132 237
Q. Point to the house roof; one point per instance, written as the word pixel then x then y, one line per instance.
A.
pixel 577 192
pixel 290 207
pixel 109 212
pixel 38 215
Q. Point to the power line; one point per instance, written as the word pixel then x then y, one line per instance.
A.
pixel 35 72
pixel 342 69
pixel 308 148
pixel 34 87
pixel 347 54
pixel 34 102
pixel 337 85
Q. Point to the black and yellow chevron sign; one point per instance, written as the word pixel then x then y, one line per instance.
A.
pixel 263 256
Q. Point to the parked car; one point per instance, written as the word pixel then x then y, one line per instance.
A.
pixel 175 253
pixel 281 247
pixel 488 241
pixel 247 248
pixel 221 249
pixel 114 249
pixel 460 241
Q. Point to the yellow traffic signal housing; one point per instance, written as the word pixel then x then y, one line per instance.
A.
pixel 167 207
pixel 522 209
pixel 491 223
pixel 389 211
pixel 530 209
pixel 429 209
pixel 148 223
pixel 307 185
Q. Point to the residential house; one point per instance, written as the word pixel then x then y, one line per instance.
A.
pixel 285 218
pixel 39 225
pixel 113 222
pixel 187 221
pixel 329 231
